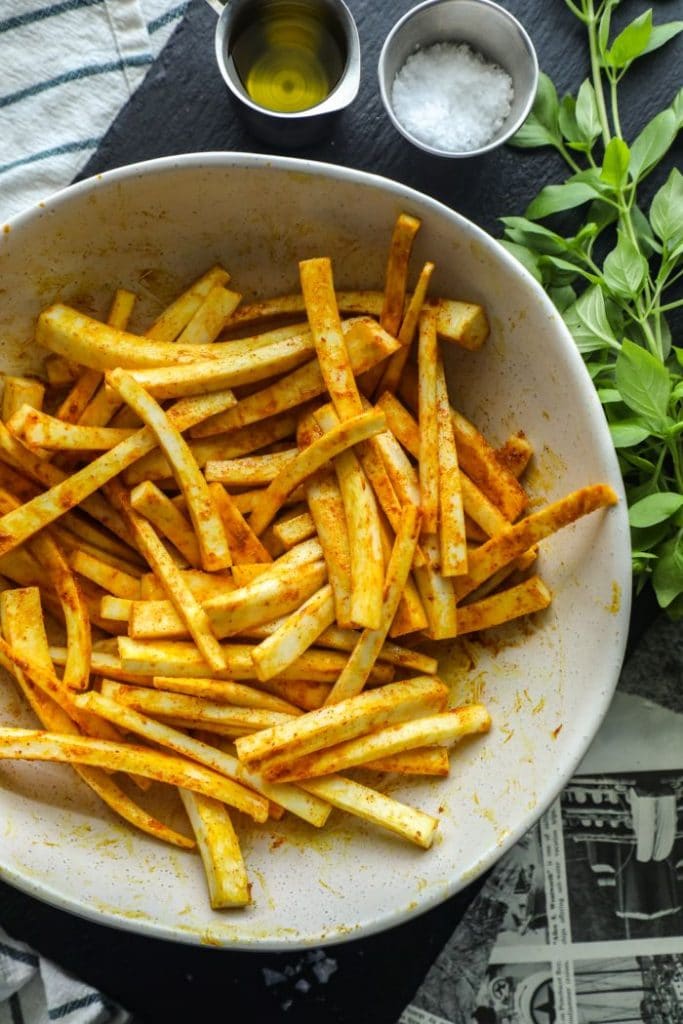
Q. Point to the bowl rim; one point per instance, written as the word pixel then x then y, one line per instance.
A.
pixel 591 409
pixel 510 128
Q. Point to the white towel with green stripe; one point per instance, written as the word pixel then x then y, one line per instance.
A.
pixel 34 991
pixel 66 69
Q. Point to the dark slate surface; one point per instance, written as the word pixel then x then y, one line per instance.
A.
pixel 183 107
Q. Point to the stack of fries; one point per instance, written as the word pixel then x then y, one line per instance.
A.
pixel 245 518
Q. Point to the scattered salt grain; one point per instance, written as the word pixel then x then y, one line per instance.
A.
pixel 449 97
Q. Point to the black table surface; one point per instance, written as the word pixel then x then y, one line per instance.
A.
pixel 182 107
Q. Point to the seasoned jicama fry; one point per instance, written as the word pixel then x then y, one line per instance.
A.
pixel 365 544
pixel 213 545
pixel 224 368
pixel 250 471
pixel 34 745
pixel 226 874
pixel 224 691
pixel 517 539
pixel 79 398
pixel 60 372
pixel 295 530
pixel 429 432
pixel 476 456
pixel 175 317
pixel 335 364
pixel 516 453
pixel 394 366
pixel 451 512
pixel 202 584
pixel 421 761
pixel 437 593
pixel 403 236
pixel 296 634
pixel 480 508
pixel 444 728
pixel 293 799
pixel 51 560
pixel 22 626
pixel 395 285
pixel 364 655
pixel 266 598
pixel 22 523
pixel 156 506
pixel 367 344
pixel 19 391
pixel 197 709
pixel 410 615
pixel 344 720
pixel 243 542
pixel 531 595
pixel 462 322
pixel 177 658
pixel 106 576
pixel 171 578
pixel 209 319
pixel 232 445
pixel 335 441
pixel 369 804
pixel 39 431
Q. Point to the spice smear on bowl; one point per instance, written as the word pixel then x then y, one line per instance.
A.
pixel 449 97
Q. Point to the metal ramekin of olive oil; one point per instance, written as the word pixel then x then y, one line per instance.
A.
pixel 293 65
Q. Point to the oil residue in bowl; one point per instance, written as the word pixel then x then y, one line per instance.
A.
pixel 289 55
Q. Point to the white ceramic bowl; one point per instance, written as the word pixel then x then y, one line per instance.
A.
pixel 153 227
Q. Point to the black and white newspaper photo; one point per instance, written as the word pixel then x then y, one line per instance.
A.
pixel 582 921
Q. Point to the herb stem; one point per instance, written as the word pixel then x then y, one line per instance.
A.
pixel 615 105
pixel 591 21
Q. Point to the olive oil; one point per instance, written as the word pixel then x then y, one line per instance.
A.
pixel 289 56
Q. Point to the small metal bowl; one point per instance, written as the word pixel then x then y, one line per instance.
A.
pixel 290 130
pixel 486 28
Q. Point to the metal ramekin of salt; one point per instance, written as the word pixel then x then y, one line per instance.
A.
pixel 458 77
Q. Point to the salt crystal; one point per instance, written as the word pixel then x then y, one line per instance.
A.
pixel 451 98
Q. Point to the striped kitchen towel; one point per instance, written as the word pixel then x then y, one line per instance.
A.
pixel 66 69
pixel 34 991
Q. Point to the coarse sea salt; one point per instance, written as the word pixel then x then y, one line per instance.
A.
pixel 449 97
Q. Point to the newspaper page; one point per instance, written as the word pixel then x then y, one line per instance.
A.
pixel 584 917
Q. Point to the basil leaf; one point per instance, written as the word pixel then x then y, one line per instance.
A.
pixel 586 112
pixel 604 25
pixel 567 120
pixel 563 296
pixel 631 42
pixel 624 268
pixel 609 396
pixel 666 210
pixel 546 106
pixel 677 107
pixel 587 320
pixel 527 232
pixel 532 134
pixel 615 163
pixel 646 240
pixel 645 385
pixel 661 34
pixel 527 258
pixel 667 578
pixel 647 539
pixel 555 198
pixel 654 509
pixel 650 146
pixel 628 433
